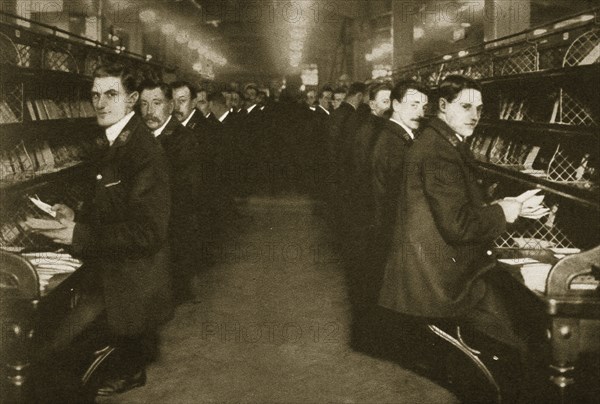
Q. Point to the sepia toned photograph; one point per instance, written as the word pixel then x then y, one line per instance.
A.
pixel 300 201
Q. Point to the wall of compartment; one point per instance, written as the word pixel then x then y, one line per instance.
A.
pixel 540 124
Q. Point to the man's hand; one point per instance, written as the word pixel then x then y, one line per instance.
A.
pixel 511 209
pixel 60 236
pixel 63 212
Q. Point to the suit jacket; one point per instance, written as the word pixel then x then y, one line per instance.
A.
pixel 198 122
pixel 362 179
pixel 387 160
pixel 181 147
pixel 443 230
pixel 122 232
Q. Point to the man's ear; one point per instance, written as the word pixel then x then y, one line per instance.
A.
pixel 442 104
pixel 395 105
pixel 132 98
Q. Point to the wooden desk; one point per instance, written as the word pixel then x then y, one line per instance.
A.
pixel 573 312
pixel 26 316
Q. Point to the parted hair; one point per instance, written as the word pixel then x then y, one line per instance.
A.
pixel 400 89
pixel 129 76
pixel 453 84
pixel 149 84
pixel 182 83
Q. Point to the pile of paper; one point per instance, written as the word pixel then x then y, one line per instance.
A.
pixel 49 264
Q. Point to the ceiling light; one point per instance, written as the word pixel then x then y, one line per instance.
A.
pixel 447 57
pixel 194 44
pixel 463 53
pixel 168 29
pixel 418 33
pixel 540 31
pixel 182 37
pixel 147 16
pixel 465 24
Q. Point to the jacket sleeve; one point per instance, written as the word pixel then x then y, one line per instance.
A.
pixel 458 219
pixel 143 230
pixel 379 169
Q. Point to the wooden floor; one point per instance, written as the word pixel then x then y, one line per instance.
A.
pixel 271 323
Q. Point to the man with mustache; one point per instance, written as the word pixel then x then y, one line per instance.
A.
pixel 439 269
pixel 380 159
pixel 181 146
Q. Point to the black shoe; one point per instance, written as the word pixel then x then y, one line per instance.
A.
pixel 123 384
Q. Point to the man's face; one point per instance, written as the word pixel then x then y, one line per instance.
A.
pixel 311 97
pixel 337 99
pixel 411 109
pixel 155 108
pixel 250 97
pixel 183 103
pixel 111 101
pixel 235 100
pixel 325 100
pixel 462 114
pixel 381 103
pixel 202 102
pixel 228 102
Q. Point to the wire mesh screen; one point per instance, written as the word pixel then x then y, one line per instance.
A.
pixel 522 61
pixel 25 54
pixel 11 102
pixel 566 168
pixel 481 69
pixel 572 111
pixel 535 234
pixel 92 61
pixel 10 54
pixel 584 50
pixel 60 60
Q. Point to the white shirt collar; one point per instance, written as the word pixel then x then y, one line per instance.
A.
pixel 222 117
pixel 312 107
pixel 327 112
pixel 250 108
pixel 406 128
pixel 460 138
pixel 158 131
pixel 207 115
pixel 185 122
pixel 113 131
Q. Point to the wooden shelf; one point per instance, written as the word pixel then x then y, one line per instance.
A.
pixel 561 74
pixel 64 173
pixel 587 197
pixel 10 72
pixel 543 129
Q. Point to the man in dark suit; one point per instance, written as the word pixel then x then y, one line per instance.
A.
pixel 342 124
pixel 377 170
pixel 439 267
pixel 121 235
pixel 185 97
pixel 409 100
pixel 181 146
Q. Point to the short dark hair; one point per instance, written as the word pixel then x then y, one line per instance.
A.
pixel 400 89
pixel 340 90
pixel 128 75
pixel 357 87
pixel 149 84
pixel 216 97
pixel 183 83
pixel 374 90
pixel 454 84
pixel 251 86
pixel 323 89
